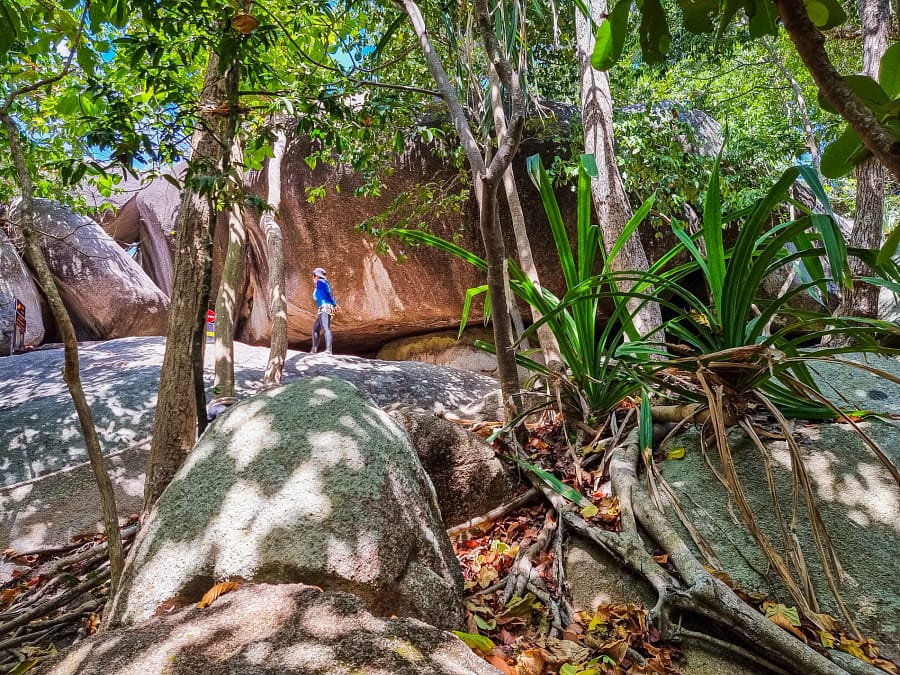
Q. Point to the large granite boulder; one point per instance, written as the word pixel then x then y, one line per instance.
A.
pixel 468 477
pixel 39 426
pixel 307 482
pixel 148 221
pixel 107 294
pixel 16 284
pixel 287 629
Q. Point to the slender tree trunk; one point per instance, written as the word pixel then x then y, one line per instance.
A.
pixel 232 277
pixel 610 200
pixel 549 345
pixel 275 254
pixel 486 180
pixel 175 425
pixel 862 299
pixel 71 371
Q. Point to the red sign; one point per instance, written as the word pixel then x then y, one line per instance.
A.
pixel 20 316
pixel 210 316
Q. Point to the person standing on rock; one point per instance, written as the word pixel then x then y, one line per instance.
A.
pixel 326 306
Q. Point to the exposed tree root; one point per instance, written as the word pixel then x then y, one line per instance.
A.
pixel 53 602
pixel 494 514
pixel 524 577
pixel 693 591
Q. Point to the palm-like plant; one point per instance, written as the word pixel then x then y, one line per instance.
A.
pixel 729 332
pixel 730 363
pixel 591 379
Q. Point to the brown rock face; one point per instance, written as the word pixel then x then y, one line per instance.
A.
pixel 107 294
pixel 381 298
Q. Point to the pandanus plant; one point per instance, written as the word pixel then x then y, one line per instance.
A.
pixel 594 376
pixel 726 363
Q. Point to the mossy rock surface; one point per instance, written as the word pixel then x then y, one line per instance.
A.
pixel 287 629
pixel 309 482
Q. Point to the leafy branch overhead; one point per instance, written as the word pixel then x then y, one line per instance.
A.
pixel 872 109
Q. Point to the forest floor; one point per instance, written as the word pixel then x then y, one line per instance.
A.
pixel 56 595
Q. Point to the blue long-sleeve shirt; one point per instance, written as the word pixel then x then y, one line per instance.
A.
pixel 322 294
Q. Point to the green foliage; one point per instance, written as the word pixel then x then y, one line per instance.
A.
pixel 731 327
pixel 882 98
pixel 702 17
pixel 611 37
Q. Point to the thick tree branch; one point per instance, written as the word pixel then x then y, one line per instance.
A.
pixel 810 44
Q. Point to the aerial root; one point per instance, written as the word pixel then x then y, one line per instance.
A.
pixel 691 590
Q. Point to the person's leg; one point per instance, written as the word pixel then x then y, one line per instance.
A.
pixel 326 328
pixel 315 335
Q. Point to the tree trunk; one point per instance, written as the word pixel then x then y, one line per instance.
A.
pixel 486 180
pixel 71 371
pixel 610 200
pixel 275 254
pixel 232 278
pixel 175 425
pixel 862 299
pixel 549 345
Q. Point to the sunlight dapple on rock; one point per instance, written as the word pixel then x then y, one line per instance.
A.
pixel 308 482
pixel 288 629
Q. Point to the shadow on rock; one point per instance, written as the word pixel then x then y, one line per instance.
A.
pixel 287 629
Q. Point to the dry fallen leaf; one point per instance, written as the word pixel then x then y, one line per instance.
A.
pixel 530 662
pixel 91 623
pixel 497 659
pixel 213 593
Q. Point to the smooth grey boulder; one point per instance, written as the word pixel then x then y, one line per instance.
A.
pixel 16 283
pixel 468 477
pixel 107 294
pixel 39 426
pixel 288 629
pixel 308 482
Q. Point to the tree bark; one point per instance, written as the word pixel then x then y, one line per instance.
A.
pixel 232 278
pixel 549 345
pixel 610 200
pixel 275 254
pixel 486 180
pixel 810 45
pixel 175 425
pixel 862 299
pixel 71 370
